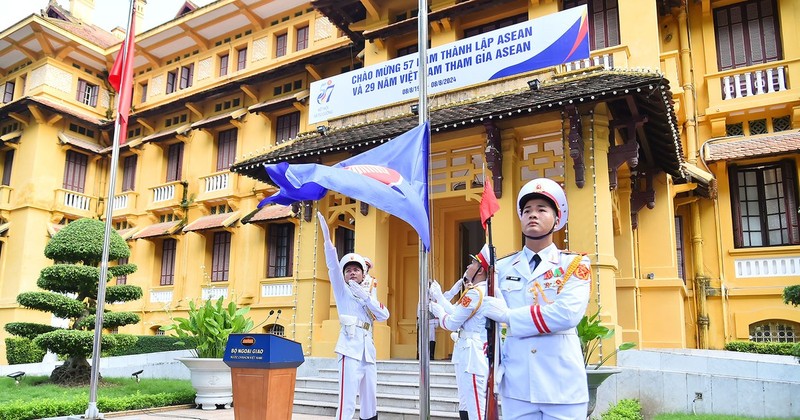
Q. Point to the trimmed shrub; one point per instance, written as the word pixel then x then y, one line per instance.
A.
pixel 21 350
pixel 791 295
pixel 43 408
pixel 782 349
pixel 627 409
pixel 152 344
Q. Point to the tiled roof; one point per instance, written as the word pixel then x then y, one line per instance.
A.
pixel 79 143
pixel 93 34
pixel 649 91
pixel 212 221
pixel 747 147
pixel 159 229
pixel 23 103
pixel 269 212
pixel 219 119
pixel 176 129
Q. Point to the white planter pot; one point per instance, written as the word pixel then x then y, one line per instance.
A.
pixel 595 377
pixel 211 379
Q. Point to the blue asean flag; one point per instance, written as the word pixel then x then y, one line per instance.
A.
pixel 392 177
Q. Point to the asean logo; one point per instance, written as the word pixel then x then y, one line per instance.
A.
pixel 381 174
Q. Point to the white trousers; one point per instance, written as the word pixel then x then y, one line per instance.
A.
pixel 471 393
pixel 514 409
pixel 357 378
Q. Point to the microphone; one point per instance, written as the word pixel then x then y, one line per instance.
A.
pixel 272 330
pixel 271 311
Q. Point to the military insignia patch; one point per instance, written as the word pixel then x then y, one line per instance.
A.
pixel 548 275
pixel 465 301
pixel 583 272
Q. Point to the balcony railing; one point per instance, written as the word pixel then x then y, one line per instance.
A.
pixel 74 202
pixel 125 201
pixel 210 293
pixel 165 195
pixel 756 82
pixel 161 296
pixel 612 57
pixel 760 82
pixel 217 182
pixel 217 185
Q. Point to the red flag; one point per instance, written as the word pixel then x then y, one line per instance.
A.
pixel 489 204
pixel 121 78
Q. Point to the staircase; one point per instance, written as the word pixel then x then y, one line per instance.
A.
pixel 317 389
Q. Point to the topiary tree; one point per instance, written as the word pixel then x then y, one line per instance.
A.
pixel 791 295
pixel 71 285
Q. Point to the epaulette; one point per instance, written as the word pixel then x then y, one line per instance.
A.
pixel 566 251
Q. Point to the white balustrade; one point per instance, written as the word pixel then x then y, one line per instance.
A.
pixel 217 182
pixel 276 289
pixel 767 267
pixel 757 82
pixel 76 200
pixel 605 60
pixel 161 296
pixel 210 293
pixel 120 201
pixel 163 193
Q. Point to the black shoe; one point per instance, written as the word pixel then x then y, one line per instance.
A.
pixel 463 415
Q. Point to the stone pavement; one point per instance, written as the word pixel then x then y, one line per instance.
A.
pixel 185 413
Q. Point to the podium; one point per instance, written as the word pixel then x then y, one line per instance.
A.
pixel 263 372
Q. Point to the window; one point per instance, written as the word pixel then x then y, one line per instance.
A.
pixel 276 329
pixel 302 38
pixel 221 255
pixel 174 162
pixel 241 59
pixel 129 173
pixel 764 205
pixel 223 65
pixel 287 127
pixel 8 94
pixel 226 148
pixel 8 163
pixel 280 45
pixel 187 74
pixel 345 241
pixel 280 246
pixel 603 22
pixel 168 249
pixel 502 23
pixel 122 279
pixel 411 49
pixel 747 34
pixel 680 250
pixel 775 331
pixel 75 171
pixel 87 93
pixel 172 77
pixel 144 92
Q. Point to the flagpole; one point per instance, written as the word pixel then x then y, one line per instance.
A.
pixel 424 326
pixel 92 412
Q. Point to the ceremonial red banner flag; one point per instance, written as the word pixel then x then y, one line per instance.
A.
pixel 489 204
pixel 121 79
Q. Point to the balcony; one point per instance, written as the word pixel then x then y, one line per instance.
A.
pixel 217 185
pixel 760 85
pixel 214 293
pixel 166 195
pixel 75 203
pixel 161 296
pixel 610 58
pixel 124 203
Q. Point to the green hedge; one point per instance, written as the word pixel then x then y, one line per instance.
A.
pixel 783 349
pixel 624 410
pixel 42 408
pixel 151 344
pixel 22 350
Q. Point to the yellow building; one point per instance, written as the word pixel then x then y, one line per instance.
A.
pixel 676 143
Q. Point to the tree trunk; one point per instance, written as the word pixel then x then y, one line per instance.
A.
pixel 74 372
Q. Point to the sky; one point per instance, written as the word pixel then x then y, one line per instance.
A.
pixel 108 14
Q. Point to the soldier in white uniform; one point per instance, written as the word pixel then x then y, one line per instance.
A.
pixel 356 349
pixel 469 354
pixel 545 292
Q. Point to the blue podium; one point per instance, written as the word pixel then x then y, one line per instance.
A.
pixel 263 372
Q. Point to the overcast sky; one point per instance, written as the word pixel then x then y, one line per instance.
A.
pixel 108 14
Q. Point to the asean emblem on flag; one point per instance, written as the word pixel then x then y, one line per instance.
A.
pixel 382 174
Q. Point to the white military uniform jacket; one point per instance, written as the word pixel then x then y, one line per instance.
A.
pixel 541 359
pixel 467 318
pixel 355 336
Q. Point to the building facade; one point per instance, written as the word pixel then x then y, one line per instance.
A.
pixel 676 142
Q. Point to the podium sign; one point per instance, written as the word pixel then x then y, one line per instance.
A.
pixel 263 372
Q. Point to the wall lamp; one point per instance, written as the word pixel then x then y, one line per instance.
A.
pixel 415 109
pixel 322 130
pixel 136 375
pixel 16 376
pixel 534 84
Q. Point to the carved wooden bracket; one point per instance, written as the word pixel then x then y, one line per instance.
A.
pixel 494 157
pixel 307 207
pixel 641 197
pixel 364 208
pixel 617 155
pixel 575 137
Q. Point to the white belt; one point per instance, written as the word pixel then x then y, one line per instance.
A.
pixel 470 334
pixel 570 331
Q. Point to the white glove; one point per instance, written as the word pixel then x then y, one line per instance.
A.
pixel 455 289
pixel 495 309
pixel 358 292
pixel 437 310
pixel 326 233
pixel 436 292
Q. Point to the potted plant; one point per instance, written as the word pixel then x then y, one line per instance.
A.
pixel 591 334
pixel 208 326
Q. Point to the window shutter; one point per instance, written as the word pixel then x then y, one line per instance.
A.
pixel 8 163
pixel 220 260
pixel 733 175
pixel 174 162
pixel 129 173
pixel 789 195
pixel 81 89
pixel 75 171
pixel 226 148
pixel 168 249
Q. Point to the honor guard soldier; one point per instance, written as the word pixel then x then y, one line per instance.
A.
pixel 358 309
pixel 545 292
pixel 469 353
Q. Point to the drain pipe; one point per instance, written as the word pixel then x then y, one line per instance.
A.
pixel 701 280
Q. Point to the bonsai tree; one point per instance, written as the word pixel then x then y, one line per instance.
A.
pixel 791 295
pixel 71 293
pixel 209 326
pixel 591 333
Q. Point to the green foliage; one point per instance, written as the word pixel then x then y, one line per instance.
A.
pixel 73 342
pixel 28 330
pixel 210 325
pixel 121 270
pixel 70 278
pixel 627 409
pixel 22 350
pixel 796 351
pixel 110 320
pixel 82 241
pixel 152 344
pixel 59 305
pixel 783 349
pixel 123 293
pixel 591 333
pixel 791 295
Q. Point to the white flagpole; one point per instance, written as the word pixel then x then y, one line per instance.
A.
pixel 92 412
pixel 424 326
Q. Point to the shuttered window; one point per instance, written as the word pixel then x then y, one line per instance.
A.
pixel 764 205
pixel 8 94
pixel 287 126
pixel 302 38
pixel 187 75
pixel 280 45
pixel 345 241
pixel 87 93
pixel 174 162
pixel 226 148
pixel 168 249
pixel 747 34
pixel 75 171
pixel 221 255
pixel 8 163
pixel 603 21
pixel 223 65
pixel 122 279
pixel 241 59
pixel 129 173
pixel 280 243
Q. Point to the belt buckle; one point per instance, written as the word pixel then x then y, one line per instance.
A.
pixel 366 326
